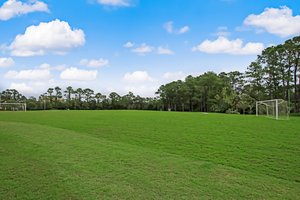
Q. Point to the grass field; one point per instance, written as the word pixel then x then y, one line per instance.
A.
pixel 147 155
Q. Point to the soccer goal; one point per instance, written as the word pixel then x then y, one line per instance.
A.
pixel 13 107
pixel 274 108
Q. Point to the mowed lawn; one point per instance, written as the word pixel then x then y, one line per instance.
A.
pixel 147 155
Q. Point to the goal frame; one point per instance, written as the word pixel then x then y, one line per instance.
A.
pixel 277 102
pixel 23 105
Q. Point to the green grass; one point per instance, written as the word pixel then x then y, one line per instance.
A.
pixel 147 155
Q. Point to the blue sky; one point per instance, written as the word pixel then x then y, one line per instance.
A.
pixel 133 45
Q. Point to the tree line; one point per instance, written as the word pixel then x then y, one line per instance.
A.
pixel 80 99
pixel 275 74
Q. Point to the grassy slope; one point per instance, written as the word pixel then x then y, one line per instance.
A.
pixel 148 155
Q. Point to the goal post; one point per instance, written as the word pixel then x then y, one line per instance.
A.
pixel 13 107
pixel 273 108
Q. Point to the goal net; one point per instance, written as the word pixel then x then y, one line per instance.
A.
pixel 274 108
pixel 13 107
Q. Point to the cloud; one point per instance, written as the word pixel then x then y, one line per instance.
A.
pixel 55 36
pixel 164 51
pixel 137 76
pixel 168 26
pixel 183 30
pixel 222 45
pixel 12 8
pixel 279 22
pixel 6 62
pixel 31 74
pixel 222 31
pixel 115 3
pixel 173 76
pixel 23 88
pixel 128 45
pixel 94 63
pixel 74 74
pixel 49 67
pixel 143 49
pixel 45 66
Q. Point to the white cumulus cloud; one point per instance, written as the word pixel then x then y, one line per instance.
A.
pixel 23 88
pixel 116 3
pixel 31 74
pixel 12 8
pixel 6 62
pixel 49 67
pixel 222 45
pixel 128 45
pixel 164 51
pixel 169 27
pixel 55 36
pixel 143 49
pixel 94 62
pixel 137 76
pixel 183 30
pixel 276 21
pixel 222 31
pixel 74 74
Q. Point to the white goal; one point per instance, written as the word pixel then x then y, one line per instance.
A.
pixel 274 108
pixel 13 107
